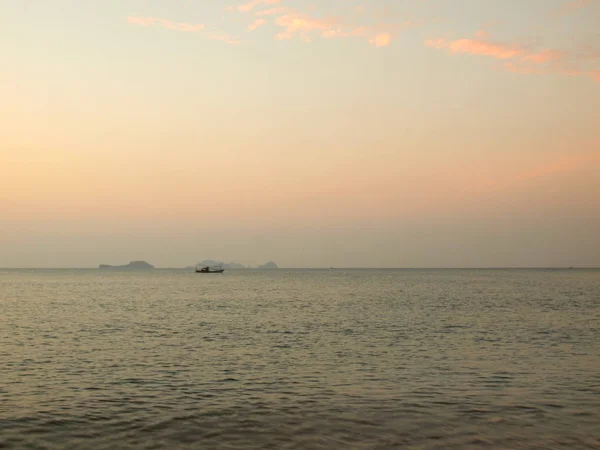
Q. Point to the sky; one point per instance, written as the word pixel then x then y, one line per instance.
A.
pixel 345 133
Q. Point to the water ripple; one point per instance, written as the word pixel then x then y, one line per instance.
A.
pixel 300 360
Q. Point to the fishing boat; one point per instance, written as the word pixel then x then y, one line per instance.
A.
pixel 208 269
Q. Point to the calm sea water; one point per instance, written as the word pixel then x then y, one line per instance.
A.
pixel 300 359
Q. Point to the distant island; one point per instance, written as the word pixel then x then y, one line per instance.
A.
pixel 133 265
pixel 235 266
pixel 212 263
pixel 143 265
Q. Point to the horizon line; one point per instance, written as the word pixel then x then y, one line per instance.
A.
pixel 327 268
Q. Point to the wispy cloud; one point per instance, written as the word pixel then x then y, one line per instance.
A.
pixel 381 40
pixel 571 6
pixel 183 27
pixel 296 24
pixel 164 23
pixel 564 163
pixel 223 37
pixel 481 45
pixel 271 12
pixel 518 59
pixel 301 23
pixel 544 56
pixel 247 7
pixel 256 24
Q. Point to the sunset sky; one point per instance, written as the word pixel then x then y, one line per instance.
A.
pixel 381 133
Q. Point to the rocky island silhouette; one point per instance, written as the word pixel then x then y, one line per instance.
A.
pixel 133 265
pixel 143 265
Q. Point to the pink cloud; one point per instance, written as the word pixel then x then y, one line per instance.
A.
pixel 359 10
pixel 381 40
pixel 564 163
pixel 177 26
pixel 577 4
pixel 523 69
pixel 544 56
pixel 479 46
pixel 223 37
pixel 296 22
pixel 283 36
pixel 572 6
pixel 256 24
pixel 302 25
pixel 299 25
pixel 520 59
pixel 247 7
pixel 181 26
pixel 335 32
pixel 361 32
pixel 483 46
pixel 562 70
pixel 270 12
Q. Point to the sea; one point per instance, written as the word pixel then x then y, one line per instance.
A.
pixel 300 359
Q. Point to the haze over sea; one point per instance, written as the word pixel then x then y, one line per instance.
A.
pixel 300 359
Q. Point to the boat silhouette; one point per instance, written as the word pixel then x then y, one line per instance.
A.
pixel 208 269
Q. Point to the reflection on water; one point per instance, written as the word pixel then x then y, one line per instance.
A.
pixel 300 359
